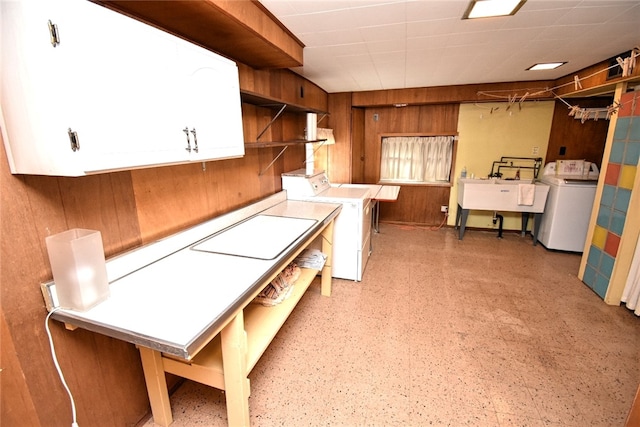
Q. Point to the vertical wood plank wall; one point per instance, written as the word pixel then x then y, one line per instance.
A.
pixel 417 204
pixel 580 140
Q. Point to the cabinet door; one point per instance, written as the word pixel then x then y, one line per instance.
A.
pixel 134 95
pixel 211 101
pixel 125 90
pixel 38 88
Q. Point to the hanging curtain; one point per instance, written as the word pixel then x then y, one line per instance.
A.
pixel 631 293
pixel 416 158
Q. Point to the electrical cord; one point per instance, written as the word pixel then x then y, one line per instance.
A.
pixel 419 227
pixel 74 423
pixel 446 215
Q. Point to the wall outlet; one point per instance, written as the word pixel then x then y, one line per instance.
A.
pixel 444 208
pixel 535 151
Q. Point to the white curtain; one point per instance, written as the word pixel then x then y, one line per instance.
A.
pixel 631 293
pixel 416 158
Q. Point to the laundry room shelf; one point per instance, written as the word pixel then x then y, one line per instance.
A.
pixel 261 324
pixel 260 100
pixel 258 144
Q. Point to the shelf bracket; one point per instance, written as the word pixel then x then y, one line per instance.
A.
pixel 273 161
pixel 271 122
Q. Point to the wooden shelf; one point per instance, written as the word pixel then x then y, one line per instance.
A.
pixel 269 144
pixel 274 103
pixel 261 324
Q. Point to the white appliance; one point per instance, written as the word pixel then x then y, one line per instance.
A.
pixel 352 227
pixel 572 190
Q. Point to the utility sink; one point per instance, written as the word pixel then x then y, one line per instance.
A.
pixel 499 195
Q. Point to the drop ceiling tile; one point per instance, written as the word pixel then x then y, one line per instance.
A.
pixel 353 37
pixel 430 28
pixel 384 32
pixel 435 10
pixel 590 14
pixel 382 13
pixel 332 38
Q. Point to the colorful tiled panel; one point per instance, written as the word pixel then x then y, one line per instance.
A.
pixel 621 170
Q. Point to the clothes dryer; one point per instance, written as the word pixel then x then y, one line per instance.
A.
pixel 352 227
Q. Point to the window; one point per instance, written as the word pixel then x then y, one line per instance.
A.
pixel 416 159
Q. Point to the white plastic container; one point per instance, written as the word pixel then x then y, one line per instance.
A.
pixel 79 268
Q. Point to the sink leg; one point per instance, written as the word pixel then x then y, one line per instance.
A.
pixel 461 220
pixel 536 227
pixel 525 221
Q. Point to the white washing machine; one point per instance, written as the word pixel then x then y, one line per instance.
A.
pixel 352 227
pixel 572 191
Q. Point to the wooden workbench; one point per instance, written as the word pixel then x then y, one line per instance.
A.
pixel 190 312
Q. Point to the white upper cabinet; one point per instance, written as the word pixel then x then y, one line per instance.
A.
pixel 213 116
pixel 112 94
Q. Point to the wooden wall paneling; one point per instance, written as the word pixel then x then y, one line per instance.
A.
pixel 253 80
pixel 376 121
pixel 24 267
pixel 290 88
pixel 83 357
pixel 284 85
pixel 357 145
pixel 254 121
pixel 276 89
pixel 105 203
pixel 593 81
pixel 417 205
pixel 447 94
pixel 580 140
pixel 340 120
pixel 238 184
pixel 172 198
pixel 169 199
pixel 270 181
pixel 438 119
pixel 32 208
pixel 126 212
pixel 314 96
pixel 246 77
pixel 293 159
pixel 294 89
pixel 17 407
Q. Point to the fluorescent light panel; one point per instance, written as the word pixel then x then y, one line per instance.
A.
pixel 545 66
pixel 491 8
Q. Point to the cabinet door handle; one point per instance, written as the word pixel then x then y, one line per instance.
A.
pixel 195 140
pixel 53 34
pixel 74 140
pixel 186 132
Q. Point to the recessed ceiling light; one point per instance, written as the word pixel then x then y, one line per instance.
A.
pixel 490 8
pixel 545 66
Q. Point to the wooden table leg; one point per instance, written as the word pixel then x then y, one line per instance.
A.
pixel 327 249
pixel 156 381
pixel 234 361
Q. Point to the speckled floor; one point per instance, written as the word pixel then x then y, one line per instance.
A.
pixel 442 332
